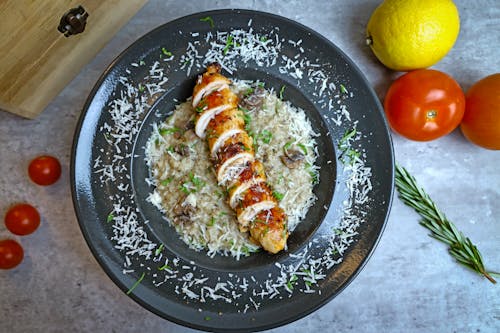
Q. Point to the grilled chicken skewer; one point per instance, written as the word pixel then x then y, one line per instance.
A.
pixel 231 149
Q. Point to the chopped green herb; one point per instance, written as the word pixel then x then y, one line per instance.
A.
pixel 245 250
pixel 303 148
pixel 348 155
pixel 212 221
pixel 308 283
pixel 136 283
pixel 229 43
pixel 348 135
pixel 292 281
pixel 306 271
pixel 313 173
pixel 186 62
pixel 165 52
pixel 261 84
pixel 209 20
pixel 142 62
pixel 287 145
pixel 265 136
pixel 282 90
pixel 164 131
pixel 246 116
pixel 159 249
pixel 184 188
pixel 343 89
pixel 196 181
pixel 207 318
pixel 141 88
pixel 110 218
pixel 263 38
pixel 248 92
pixel 279 196
pixel 164 267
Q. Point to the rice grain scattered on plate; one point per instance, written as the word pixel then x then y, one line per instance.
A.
pixel 186 189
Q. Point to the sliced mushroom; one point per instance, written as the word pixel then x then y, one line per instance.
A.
pixel 292 158
pixel 181 149
pixel 183 210
pixel 189 125
pixel 254 100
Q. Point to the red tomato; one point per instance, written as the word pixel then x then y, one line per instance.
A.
pixel 22 219
pixel 11 254
pixel 44 170
pixel 481 122
pixel 424 105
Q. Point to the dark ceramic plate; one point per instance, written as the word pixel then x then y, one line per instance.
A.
pixel 124 231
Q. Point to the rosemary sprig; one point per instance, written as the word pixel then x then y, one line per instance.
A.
pixel 460 247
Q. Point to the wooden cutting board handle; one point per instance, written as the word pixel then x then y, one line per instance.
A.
pixel 37 59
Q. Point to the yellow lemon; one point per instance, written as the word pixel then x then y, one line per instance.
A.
pixel 412 34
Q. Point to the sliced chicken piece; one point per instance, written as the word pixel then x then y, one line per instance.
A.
pixel 216 141
pixel 254 200
pixel 235 152
pixel 253 174
pixel 210 106
pixel 223 126
pixel 224 121
pixel 233 157
pixel 209 82
pixel 269 228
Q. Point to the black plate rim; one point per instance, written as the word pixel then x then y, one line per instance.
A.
pixel 115 278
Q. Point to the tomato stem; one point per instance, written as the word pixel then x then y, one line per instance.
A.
pixel 431 114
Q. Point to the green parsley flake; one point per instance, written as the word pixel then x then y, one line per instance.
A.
pixel 248 92
pixel 287 145
pixel 136 283
pixel 212 222
pixel 303 148
pixel 141 88
pixel 229 43
pixel 209 20
pixel 313 173
pixel 164 267
pixel 282 90
pixel 343 89
pixel 207 318
pixel 166 52
pixel 279 196
pixel 348 155
pixel 265 136
pixel 142 62
pixel 110 218
pixel 164 131
pixel 292 281
pixel 159 249
pixel 167 181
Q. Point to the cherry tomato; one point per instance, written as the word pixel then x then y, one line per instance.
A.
pixel 22 219
pixel 11 254
pixel 44 170
pixel 424 105
pixel 481 122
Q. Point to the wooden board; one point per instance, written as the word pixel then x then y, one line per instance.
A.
pixel 37 61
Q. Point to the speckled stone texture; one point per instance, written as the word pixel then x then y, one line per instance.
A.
pixel 409 285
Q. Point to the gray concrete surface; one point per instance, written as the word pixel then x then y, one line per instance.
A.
pixel 409 285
